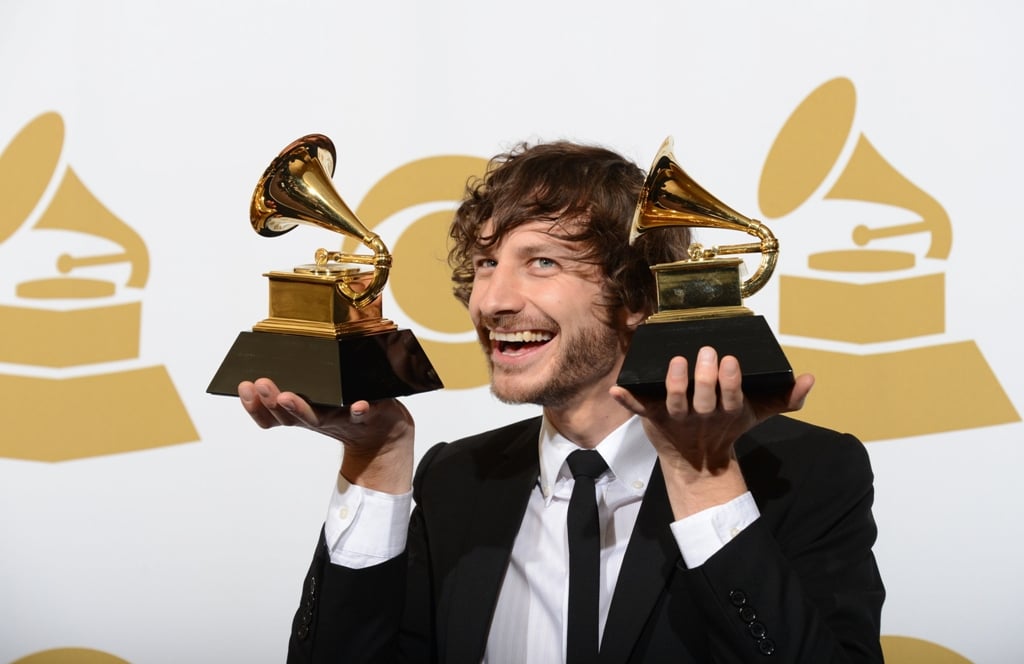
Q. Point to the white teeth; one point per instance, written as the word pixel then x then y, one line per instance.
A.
pixel 525 336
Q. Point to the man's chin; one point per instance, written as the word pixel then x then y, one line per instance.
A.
pixel 547 395
pixel 509 394
pixel 509 399
pixel 511 389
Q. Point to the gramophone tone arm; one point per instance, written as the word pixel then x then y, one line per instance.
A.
pixel 323 257
pixel 701 253
pixel 768 247
pixel 381 262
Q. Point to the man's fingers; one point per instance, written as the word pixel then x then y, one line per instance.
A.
pixel 627 400
pixel 298 409
pixel 269 406
pixel 247 394
pixel 253 405
pixel 705 381
pixel 801 389
pixel 677 383
pixel 730 384
pixel 268 395
pixel 359 413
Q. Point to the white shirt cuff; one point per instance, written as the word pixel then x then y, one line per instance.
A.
pixel 703 534
pixel 365 527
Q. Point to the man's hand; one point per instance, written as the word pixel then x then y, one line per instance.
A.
pixel 378 438
pixel 694 436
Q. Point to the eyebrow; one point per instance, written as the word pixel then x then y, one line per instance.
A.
pixel 547 248
pixel 551 246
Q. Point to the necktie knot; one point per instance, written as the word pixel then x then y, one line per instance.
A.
pixel 586 463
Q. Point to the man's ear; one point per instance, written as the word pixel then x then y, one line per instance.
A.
pixel 630 321
pixel 634 318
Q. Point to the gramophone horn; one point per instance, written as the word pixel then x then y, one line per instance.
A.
pixel 670 197
pixel 297 189
pixel 807 151
pixel 27 166
pixel 869 177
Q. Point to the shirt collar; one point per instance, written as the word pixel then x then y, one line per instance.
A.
pixel 626 450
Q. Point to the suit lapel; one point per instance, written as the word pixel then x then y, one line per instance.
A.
pixel 502 499
pixel 650 560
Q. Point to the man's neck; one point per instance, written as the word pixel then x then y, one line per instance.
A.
pixel 590 417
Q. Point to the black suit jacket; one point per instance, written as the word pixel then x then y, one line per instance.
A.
pixel 798 585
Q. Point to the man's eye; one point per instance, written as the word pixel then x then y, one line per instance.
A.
pixel 545 262
pixel 484 263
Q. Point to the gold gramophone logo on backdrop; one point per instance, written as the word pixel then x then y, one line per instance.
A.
pixel 873 296
pixel 71 317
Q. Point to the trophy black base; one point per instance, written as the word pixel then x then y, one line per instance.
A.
pixel 766 371
pixel 329 372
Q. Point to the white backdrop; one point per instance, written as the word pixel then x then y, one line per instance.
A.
pixel 195 551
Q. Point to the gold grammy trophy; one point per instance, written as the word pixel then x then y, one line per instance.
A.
pixel 700 297
pixel 325 338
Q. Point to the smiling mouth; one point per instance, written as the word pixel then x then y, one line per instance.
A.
pixel 511 343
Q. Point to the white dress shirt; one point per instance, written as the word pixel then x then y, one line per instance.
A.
pixel 365 527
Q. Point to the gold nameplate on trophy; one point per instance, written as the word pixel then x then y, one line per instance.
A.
pixel 325 338
pixel 700 298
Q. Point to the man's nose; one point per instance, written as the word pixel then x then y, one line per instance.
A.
pixel 501 292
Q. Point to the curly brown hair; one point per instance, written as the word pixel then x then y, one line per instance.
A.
pixel 565 182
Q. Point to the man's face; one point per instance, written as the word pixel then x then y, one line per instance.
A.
pixel 536 309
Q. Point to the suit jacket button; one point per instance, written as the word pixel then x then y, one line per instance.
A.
pixel 302 632
pixel 766 646
pixel 747 614
pixel 757 630
pixel 737 597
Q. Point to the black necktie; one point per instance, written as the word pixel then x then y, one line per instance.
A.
pixel 584 558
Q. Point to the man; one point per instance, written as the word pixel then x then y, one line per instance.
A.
pixel 728 533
